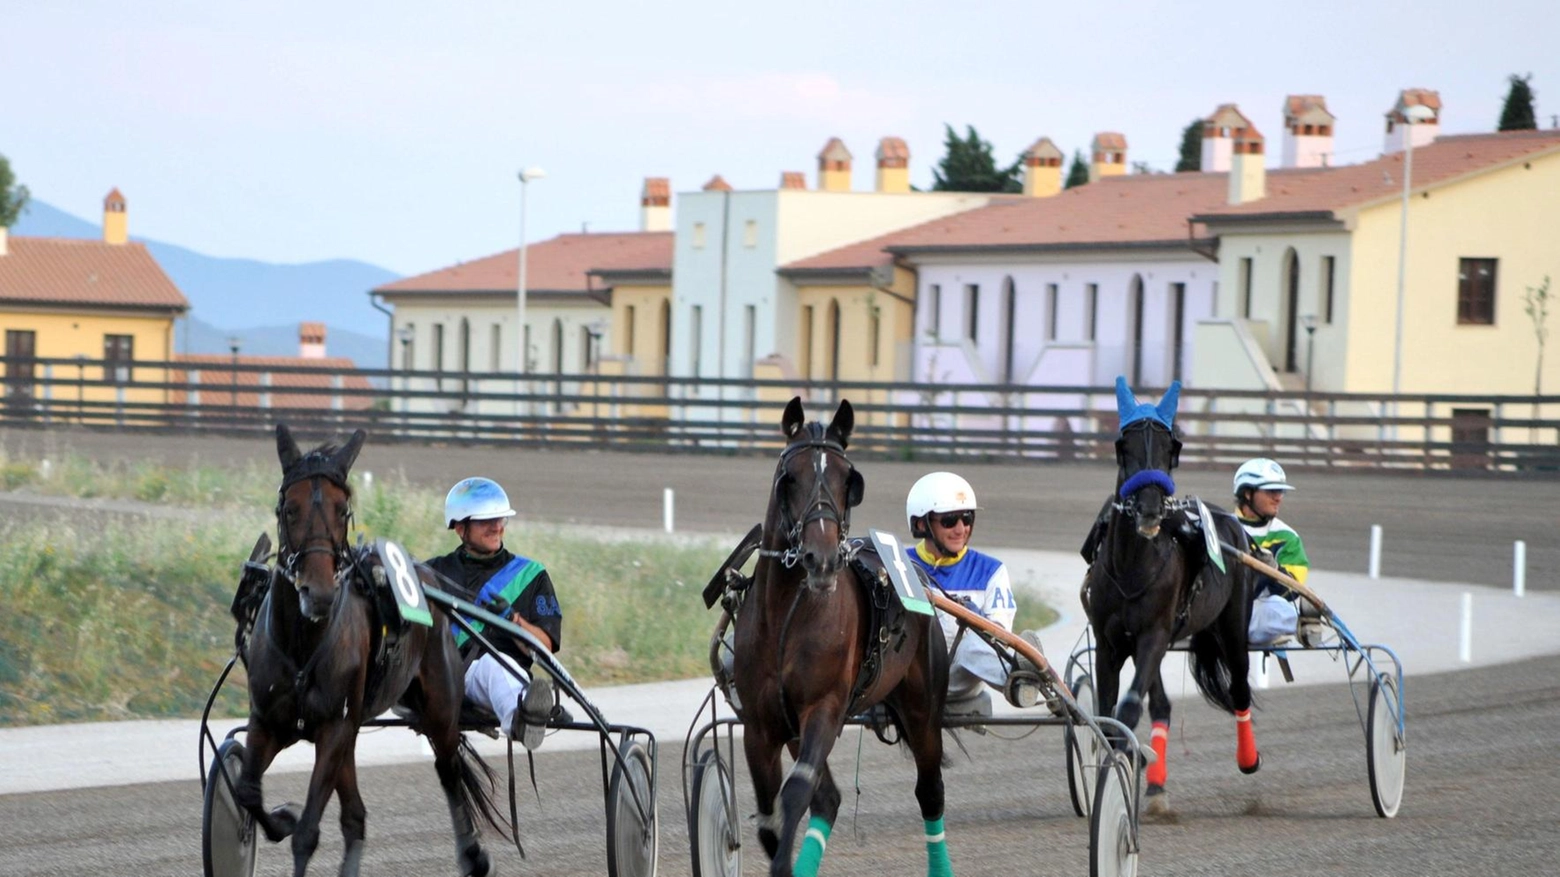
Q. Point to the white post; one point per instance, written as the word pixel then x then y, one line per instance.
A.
pixel 368 483
pixel 1519 568
pixel 1465 635
pixel 46 468
pixel 666 509
pixel 1375 551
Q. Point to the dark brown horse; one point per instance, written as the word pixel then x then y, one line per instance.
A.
pixel 1151 583
pixel 801 640
pixel 320 664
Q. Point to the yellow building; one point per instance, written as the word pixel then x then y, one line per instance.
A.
pixel 85 312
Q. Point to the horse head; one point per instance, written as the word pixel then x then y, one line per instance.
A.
pixel 815 484
pixel 313 515
pixel 1146 451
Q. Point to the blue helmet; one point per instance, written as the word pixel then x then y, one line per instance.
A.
pixel 476 498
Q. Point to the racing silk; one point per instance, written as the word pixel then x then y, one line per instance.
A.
pixel 1284 543
pixel 980 578
pixel 509 585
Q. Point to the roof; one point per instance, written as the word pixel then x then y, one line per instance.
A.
pixel 560 264
pixel 217 380
pixel 834 150
pixel 1227 116
pixel 891 149
pixel 657 192
pixel 1043 148
pixel 85 273
pixel 1307 108
pixel 717 183
pixel 1322 190
pixel 1109 140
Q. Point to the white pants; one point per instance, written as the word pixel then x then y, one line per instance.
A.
pixel 489 684
pixel 1272 617
pixel 973 662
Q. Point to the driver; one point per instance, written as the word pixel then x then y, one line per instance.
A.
pixel 1276 611
pixel 941 511
pixel 486 573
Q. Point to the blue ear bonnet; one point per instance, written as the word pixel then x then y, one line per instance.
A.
pixel 1131 410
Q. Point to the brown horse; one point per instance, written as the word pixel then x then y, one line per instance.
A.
pixel 802 638
pixel 320 662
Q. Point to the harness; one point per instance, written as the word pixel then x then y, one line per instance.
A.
pixel 821 506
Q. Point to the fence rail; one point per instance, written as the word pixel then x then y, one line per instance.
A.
pixel 908 420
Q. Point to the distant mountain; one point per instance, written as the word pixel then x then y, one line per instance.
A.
pixel 247 298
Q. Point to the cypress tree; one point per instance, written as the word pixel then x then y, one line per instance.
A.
pixel 13 198
pixel 1191 147
pixel 1078 174
pixel 1517 114
pixel 968 165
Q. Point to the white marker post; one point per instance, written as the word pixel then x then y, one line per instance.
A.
pixel 1519 568
pixel 1375 551
pixel 368 483
pixel 666 509
pixel 1465 635
pixel 46 468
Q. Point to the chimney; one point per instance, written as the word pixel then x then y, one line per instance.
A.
pixel 1042 169
pixel 893 165
pixel 1308 131
pixel 655 205
pixel 717 183
pixel 834 166
pixel 1221 130
pixel 1248 173
pixel 793 180
pixel 311 340
pixel 116 223
pixel 1399 125
pixel 5 243
pixel 1110 155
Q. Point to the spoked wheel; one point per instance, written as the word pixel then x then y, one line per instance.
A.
pixel 1083 750
pixel 1112 832
pixel 1386 751
pixel 717 848
pixel 227 836
pixel 631 814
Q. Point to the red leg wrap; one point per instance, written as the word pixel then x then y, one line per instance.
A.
pixel 1245 741
pixel 1159 741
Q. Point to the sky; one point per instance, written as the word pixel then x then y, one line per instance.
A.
pixel 391 132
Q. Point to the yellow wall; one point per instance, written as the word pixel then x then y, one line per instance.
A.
pixel 68 335
pixel 648 338
pixel 857 303
pixel 1508 215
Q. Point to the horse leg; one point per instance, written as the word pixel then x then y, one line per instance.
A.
pixel 763 758
pixel 1151 646
pixel 1159 742
pixel 1109 659
pixel 353 816
pixel 923 734
pixel 462 776
pixel 261 750
pixel 333 742
pixel 819 728
pixel 1247 757
pixel 825 809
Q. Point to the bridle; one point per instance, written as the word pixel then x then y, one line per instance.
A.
pixel 314 468
pixel 822 506
pixel 1147 476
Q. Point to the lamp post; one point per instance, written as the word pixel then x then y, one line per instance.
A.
pixel 1412 115
pixel 521 366
pixel 1309 322
pixel 233 343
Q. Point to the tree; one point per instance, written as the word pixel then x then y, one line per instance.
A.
pixel 968 166
pixel 1191 148
pixel 1078 174
pixel 1536 305
pixel 1517 114
pixel 13 198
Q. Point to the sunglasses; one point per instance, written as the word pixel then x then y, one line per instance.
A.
pixel 949 520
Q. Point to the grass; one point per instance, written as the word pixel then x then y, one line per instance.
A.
pixel 129 619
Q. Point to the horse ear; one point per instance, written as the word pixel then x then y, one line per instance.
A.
pixel 1175 452
pixel 1167 405
pixel 855 489
pixel 286 448
pixel 348 454
pixel 1126 403
pixel 844 421
pixel 791 421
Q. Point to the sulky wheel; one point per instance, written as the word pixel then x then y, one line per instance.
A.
pixel 1083 749
pixel 713 834
pixel 631 814
pixel 1386 751
pixel 1112 833
pixel 227 836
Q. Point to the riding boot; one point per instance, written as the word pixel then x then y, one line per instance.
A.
pixel 529 724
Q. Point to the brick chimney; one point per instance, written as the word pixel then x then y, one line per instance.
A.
pixel 1221 130
pixel 1398 126
pixel 793 180
pixel 1042 169
pixel 717 183
pixel 116 222
pixel 311 340
pixel 1308 131
pixel 834 166
pixel 893 165
pixel 1109 151
pixel 1248 171
pixel 655 205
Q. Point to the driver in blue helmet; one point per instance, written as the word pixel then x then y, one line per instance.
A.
pixel 518 588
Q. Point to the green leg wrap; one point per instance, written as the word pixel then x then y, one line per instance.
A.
pixel 937 861
pixel 813 843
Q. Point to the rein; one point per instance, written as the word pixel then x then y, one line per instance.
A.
pixel 821 506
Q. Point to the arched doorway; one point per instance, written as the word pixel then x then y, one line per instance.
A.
pixel 665 331
pixel 833 368
pixel 1009 307
pixel 1291 310
pixel 1135 331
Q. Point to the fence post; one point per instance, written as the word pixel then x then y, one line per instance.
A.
pixel 48 393
pixel 1375 551
pixel 1465 630
pixel 265 389
pixel 667 501
pixel 1519 568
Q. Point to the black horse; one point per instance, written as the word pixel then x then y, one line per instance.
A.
pixel 320 662
pixel 1152 582
pixel 803 636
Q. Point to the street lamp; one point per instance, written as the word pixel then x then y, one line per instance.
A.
pixel 1412 115
pixel 1309 322
pixel 526 176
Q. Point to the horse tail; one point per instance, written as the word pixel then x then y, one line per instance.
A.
pixel 476 787
pixel 1211 670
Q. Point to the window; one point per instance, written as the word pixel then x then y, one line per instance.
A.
pixel 1245 287
pixel 934 323
pixel 750 233
pixel 496 348
pixel 696 337
pixel 698 235
pixel 1476 292
pixel 628 330
pixel 118 351
pixel 1051 305
pixel 805 357
pixel 972 311
pixel 876 329
pixel 1177 329
pixel 1093 290
pixel 438 347
pixel 749 339
pixel 1329 269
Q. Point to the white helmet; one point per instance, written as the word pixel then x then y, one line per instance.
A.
pixel 1261 474
pixel 938 492
pixel 479 498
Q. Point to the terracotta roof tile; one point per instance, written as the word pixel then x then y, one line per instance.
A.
pixel 1307 109
pixel 1043 148
pixel 793 180
pixel 717 183
pixel 85 273
pixel 559 264
pixel 657 192
pixel 1110 140
pixel 834 150
pixel 892 149
pixel 217 380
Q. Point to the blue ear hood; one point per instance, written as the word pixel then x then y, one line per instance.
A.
pixel 1131 410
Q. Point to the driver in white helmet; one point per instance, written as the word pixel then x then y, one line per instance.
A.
pixel 1276 612
pixel 486 573
pixel 941 512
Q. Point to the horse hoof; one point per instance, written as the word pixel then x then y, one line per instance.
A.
pixel 1158 801
pixel 477 863
pixel 1254 767
pixel 283 822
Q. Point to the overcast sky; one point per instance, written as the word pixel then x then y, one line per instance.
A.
pixel 391 131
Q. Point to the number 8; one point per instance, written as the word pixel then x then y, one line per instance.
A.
pixel 405 583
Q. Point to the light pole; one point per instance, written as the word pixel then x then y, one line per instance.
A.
pixel 1412 115
pixel 1309 322
pixel 233 342
pixel 521 365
